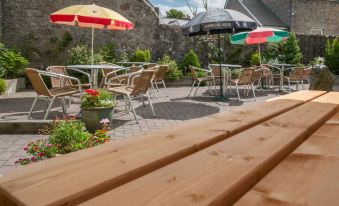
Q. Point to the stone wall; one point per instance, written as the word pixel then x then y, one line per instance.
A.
pixel 26 26
pixel 316 14
pixel 1 16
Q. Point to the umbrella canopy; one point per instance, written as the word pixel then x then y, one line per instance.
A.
pixel 92 16
pixel 216 21
pixel 258 36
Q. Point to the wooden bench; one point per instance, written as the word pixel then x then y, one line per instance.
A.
pixel 83 176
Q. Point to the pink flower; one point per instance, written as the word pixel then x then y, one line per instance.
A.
pixel 33 159
pixel 40 154
pixel 105 121
pixel 25 148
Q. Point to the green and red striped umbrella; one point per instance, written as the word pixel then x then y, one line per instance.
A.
pixel 258 36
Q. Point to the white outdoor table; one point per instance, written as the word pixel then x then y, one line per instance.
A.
pixel 281 68
pixel 94 71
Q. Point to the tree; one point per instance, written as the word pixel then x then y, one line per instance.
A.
pixel 173 13
pixel 291 50
pixel 193 9
pixel 332 55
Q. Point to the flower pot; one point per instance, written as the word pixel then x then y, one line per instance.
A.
pixel 92 117
pixel 14 85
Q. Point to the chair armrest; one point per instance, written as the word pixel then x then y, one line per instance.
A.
pixel 129 75
pixel 56 75
pixel 82 72
pixel 205 70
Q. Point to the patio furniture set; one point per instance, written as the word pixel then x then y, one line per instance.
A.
pixel 130 82
pixel 280 151
pixel 251 78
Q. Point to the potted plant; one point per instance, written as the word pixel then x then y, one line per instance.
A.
pixel 12 66
pixel 97 105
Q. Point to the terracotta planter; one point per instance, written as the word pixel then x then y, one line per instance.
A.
pixel 92 117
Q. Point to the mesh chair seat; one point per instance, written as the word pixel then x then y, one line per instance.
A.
pixel 121 90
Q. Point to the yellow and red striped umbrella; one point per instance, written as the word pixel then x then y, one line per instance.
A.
pixel 92 16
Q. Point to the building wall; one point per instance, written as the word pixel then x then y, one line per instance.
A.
pixel 281 8
pixel 316 14
pixel 26 27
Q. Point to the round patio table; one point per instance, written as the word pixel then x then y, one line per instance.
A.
pixel 225 67
pixel 94 71
pixel 132 63
pixel 282 68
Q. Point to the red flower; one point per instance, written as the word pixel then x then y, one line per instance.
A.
pixel 35 149
pixel 25 148
pixel 92 92
pixel 40 154
pixel 33 159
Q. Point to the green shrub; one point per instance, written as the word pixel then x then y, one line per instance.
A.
pixel 108 52
pixel 286 51
pixel 141 55
pixel 173 72
pixel 123 56
pixel 80 54
pixel 332 55
pixel 3 86
pixel 191 59
pixel 69 136
pixel 255 59
pixel 12 64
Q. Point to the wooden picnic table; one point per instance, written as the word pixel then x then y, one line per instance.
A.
pixel 281 151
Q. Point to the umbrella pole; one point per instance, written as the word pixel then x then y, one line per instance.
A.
pixel 220 78
pixel 92 45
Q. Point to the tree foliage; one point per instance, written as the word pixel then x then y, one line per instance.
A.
pixel 332 55
pixel 286 51
pixel 191 58
pixel 173 72
pixel 174 13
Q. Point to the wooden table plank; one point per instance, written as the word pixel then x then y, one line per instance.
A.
pixel 309 176
pixel 222 173
pixel 81 175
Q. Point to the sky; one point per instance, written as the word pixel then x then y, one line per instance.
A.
pixel 166 5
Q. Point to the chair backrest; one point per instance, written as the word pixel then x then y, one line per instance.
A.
pixel 104 72
pixel 307 72
pixel 193 73
pixel 133 69
pixel 56 82
pixel 161 73
pixel 297 74
pixel 215 70
pixel 150 65
pixel 246 76
pixel 37 82
pixel 143 82
pixel 257 74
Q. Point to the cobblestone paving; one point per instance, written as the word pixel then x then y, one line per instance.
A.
pixel 171 110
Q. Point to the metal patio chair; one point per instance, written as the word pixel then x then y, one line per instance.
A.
pixel 198 80
pixel 245 79
pixel 159 78
pixel 136 90
pixel 35 77
pixel 294 77
pixel 226 75
pixel 56 82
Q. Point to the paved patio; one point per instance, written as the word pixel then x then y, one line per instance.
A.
pixel 171 110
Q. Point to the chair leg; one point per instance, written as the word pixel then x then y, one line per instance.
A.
pixel 49 108
pixel 156 86
pixel 237 88
pixel 130 103
pixel 253 92
pixel 215 87
pixel 195 93
pixel 289 86
pixel 165 88
pixel 189 94
pixel 126 104
pixel 151 105
pixel 153 90
pixel 33 105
